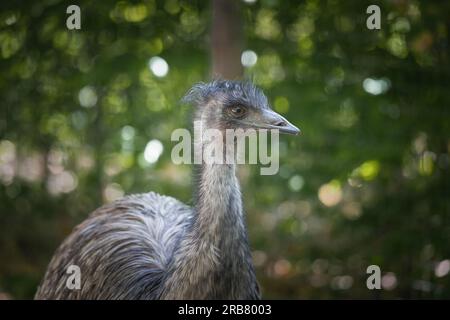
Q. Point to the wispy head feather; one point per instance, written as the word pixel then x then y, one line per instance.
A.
pixel 202 93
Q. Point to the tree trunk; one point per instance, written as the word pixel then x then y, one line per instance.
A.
pixel 226 43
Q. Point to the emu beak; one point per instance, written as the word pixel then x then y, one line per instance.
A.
pixel 271 120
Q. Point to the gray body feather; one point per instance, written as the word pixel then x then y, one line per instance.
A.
pixel 121 250
pixel 149 246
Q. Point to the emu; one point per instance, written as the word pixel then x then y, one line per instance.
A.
pixel 150 246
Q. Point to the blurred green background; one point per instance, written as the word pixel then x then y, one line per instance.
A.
pixel 86 117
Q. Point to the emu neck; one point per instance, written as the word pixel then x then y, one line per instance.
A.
pixel 213 260
pixel 218 205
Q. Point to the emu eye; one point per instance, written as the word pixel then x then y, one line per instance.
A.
pixel 238 111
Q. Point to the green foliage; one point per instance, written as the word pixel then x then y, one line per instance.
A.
pixel 366 183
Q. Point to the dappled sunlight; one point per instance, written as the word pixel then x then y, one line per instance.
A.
pixel 296 183
pixel 7 162
pixel 87 117
pixel 87 97
pixel 442 268
pixel 368 171
pixel 267 27
pixel 281 104
pixel 153 151
pixel 63 182
pixel 376 86
pixel 268 70
pixel 249 58
pixel 158 66
pixel 330 194
pixel 135 13
pixel 389 281
pixel 112 191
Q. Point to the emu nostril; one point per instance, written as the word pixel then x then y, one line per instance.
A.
pixel 280 124
pixel 273 120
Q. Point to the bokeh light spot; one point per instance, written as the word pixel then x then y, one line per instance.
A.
pixel 281 104
pixel 296 183
pixel 113 191
pixel 158 66
pixel 249 58
pixel 389 281
pixel 442 268
pixel 128 133
pixel 376 86
pixel 153 151
pixel 87 97
pixel 330 194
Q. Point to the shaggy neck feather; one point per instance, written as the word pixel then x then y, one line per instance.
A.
pixel 213 260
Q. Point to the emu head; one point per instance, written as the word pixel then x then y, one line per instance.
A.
pixel 223 105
